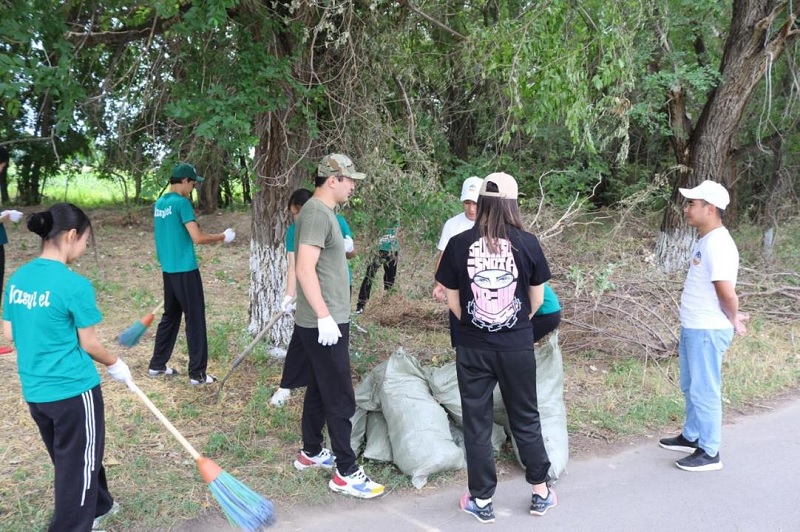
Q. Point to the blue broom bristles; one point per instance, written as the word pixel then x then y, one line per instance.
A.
pixel 130 336
pixel 243 507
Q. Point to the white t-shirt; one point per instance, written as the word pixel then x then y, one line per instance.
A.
pixel 715 258
pixel 455 225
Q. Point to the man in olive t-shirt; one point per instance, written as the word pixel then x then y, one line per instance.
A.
pixel 322 326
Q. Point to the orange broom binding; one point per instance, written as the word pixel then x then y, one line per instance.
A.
pixel 131 336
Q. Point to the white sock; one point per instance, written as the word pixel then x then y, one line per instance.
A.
pixel 482 502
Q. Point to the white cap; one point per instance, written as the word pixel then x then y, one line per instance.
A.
pixel 708 191
pixel 471 188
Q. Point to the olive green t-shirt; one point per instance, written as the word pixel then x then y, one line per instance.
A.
pixel 317 226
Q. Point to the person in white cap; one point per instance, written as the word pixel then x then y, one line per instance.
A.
pixel 453 226
pixel 709 318
pixel 494 277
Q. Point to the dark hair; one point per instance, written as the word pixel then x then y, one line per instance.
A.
pixel 299 197
pixel 58 219
pixel 494 215
pixel 320 180
pixel 4 155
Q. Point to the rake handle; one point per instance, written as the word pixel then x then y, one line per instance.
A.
pixel 154 409
pixel 275 317
pixel 259 336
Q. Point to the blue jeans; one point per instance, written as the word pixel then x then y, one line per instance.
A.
pixel 700 352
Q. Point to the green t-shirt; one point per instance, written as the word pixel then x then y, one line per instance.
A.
pixel 47 303
pixel 345 232
pixel 174 246
pixel 388 241
pixel 317 226
pixel 550 303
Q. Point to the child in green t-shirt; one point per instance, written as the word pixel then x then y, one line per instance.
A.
pixel 50 314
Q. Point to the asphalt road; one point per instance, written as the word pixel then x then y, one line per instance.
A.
pixel 639 489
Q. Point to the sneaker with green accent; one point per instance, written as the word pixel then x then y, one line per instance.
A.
pixel 356 484
pixel 484 515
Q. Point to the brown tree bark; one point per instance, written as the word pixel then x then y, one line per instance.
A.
pixel 711 148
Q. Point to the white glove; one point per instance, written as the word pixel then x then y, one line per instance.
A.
pixel 230 234
pixel 349 246
pixel 329 332
pixel 14 216
pixel 120 371
pixel 287 305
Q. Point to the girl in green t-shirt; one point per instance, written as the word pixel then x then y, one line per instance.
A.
pixel 49 312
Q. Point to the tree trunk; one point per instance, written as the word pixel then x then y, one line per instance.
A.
pixel 268 264
pixel 712 144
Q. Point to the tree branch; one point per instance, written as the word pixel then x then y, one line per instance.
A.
pixel 433 21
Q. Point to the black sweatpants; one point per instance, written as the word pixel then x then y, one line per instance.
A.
pixel 183 295
pixel 296 370
pixel 389 261
pixel 73 430
pixel 478 372
pixel 329 395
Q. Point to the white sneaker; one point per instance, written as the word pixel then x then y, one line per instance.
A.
pixel 169 372
pixel 324 459
pixel 356 485
pixel 210 379
pixel 280 397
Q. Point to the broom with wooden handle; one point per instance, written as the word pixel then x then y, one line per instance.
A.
pixel 249 348
pixel 243 507
pixel 131 336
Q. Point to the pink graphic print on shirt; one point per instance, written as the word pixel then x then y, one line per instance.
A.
pixel 493 282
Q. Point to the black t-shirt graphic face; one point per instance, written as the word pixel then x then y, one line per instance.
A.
pixel 493 287
pixel 493 277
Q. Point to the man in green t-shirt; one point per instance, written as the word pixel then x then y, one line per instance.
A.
pixel 322 329
pixel 176 233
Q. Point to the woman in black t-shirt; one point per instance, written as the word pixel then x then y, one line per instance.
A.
pixel 494 275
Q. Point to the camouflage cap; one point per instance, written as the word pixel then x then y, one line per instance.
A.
pixel 338 164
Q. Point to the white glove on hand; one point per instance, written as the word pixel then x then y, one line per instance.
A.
pixel 287 305
pixel 230 234
pixel 329 332
pixel 349 245
pixel 120 371
pixel 14 216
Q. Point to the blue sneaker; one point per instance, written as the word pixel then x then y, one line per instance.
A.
pixel 484 515
pixel 540 505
